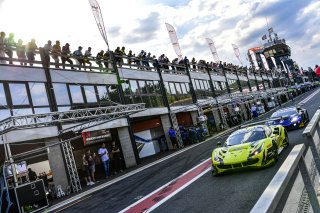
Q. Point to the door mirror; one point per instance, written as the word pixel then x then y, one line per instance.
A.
pixel 219 144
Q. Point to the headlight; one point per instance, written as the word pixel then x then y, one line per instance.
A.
pixel 215 157
pixel 256 151
pixel 294 119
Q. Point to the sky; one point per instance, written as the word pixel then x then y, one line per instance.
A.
pixel 140 25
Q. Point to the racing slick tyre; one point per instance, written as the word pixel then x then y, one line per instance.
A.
pixel 214 172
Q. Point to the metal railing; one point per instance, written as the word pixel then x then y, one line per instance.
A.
pixel 305 158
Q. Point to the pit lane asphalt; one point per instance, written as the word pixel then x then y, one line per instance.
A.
pixel 235 192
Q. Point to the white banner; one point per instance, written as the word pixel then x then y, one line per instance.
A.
pixel 265 63
pixel 254 59
pixel 174 40
pixel 284 66
pixel 99 20
pixel 237 53
pixel 213 50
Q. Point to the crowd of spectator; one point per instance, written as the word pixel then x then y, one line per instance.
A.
pixel 143 60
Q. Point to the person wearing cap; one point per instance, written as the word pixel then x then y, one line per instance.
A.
pixel 56 52
pixel 65 55
pixel 2 47
pixel 10 44
pixel 79 56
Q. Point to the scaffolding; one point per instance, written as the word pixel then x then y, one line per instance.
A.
pixel 89 117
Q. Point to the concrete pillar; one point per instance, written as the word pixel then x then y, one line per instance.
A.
pixel 57 165
pixel 165 122
pixel 127 149
pixel 230 109
pixel 243 111
pixel 216 117
pixel 194 116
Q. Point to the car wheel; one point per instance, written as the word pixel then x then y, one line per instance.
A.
pixel 215 172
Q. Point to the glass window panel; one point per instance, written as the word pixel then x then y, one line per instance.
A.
pixel 41 110
pixel 166 86
pixel 76 94
pixel 128 99
pixel 90 94
pixel 184 89
pixel 151 87
pixel 178 88
pixel 4 114
pixel 187 86
pixel 143 88
pixel 61 93
pixel 65 108
pixel 102 92
pixel 137 99
pixel 197 84
pixel 19 94
pixel 172 88
pixel 113 93
pixel 194 84
pixel 134 86
pixel 156 86
pixel 3 100
pixel 126 88
pixel 38 94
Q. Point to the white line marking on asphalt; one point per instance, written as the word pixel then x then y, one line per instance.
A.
pixel 309 97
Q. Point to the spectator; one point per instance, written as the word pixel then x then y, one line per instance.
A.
pixel 254 111
pixel 31 51
pixel 130 55
pixel 56 53
pixel 2 47
pixel 317 70
pixel 104 156
pixel 32 175
pixel 10 44
pixel 118 54
pixel 116 158
pixel 21 52
pixel 87 55
pixel 173 137
pixel 65 55
pixel 106 58
pixel 47 50
pixel 91 164
pixel 79 56
pixel 123 53
pixel 99 57
pixel 85 168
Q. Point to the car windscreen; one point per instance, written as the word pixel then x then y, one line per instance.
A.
pixel 284 113
pixel 245 137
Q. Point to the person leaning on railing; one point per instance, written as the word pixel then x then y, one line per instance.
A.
pixel 2 47
pixel 21 52
pixel 65 55
pixel 79 56
pixel 87 55
pixel 56 52
pixel 10 44
pixel 31 51
pixel 99 58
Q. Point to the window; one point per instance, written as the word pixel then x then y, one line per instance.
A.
pixel 134 86
pixel 3 100
pixel 61 93
pixel 76 94
pixel 41 110
pixel 38 94
pixel 194 84
pixel 197 84
pixel 184 89
pixel 19 94
pixel 90 94
pixel 178 88
pixel 151 87
pixel 143 88
pixel 102 93
pixel 24 111
pixel 172 89
pixel 5 113
pixel 187 87
pixel 157 87
pixel 166 86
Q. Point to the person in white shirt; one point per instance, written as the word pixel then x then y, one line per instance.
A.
pixel 104 156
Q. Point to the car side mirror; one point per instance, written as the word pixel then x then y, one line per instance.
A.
pixel 219 144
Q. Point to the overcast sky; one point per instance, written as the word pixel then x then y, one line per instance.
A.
pixel 140 24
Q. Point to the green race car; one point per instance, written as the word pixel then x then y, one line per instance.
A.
pixel 255 146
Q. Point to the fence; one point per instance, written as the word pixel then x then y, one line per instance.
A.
pixel 305 158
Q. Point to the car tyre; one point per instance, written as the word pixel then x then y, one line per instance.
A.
pixel 275 153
